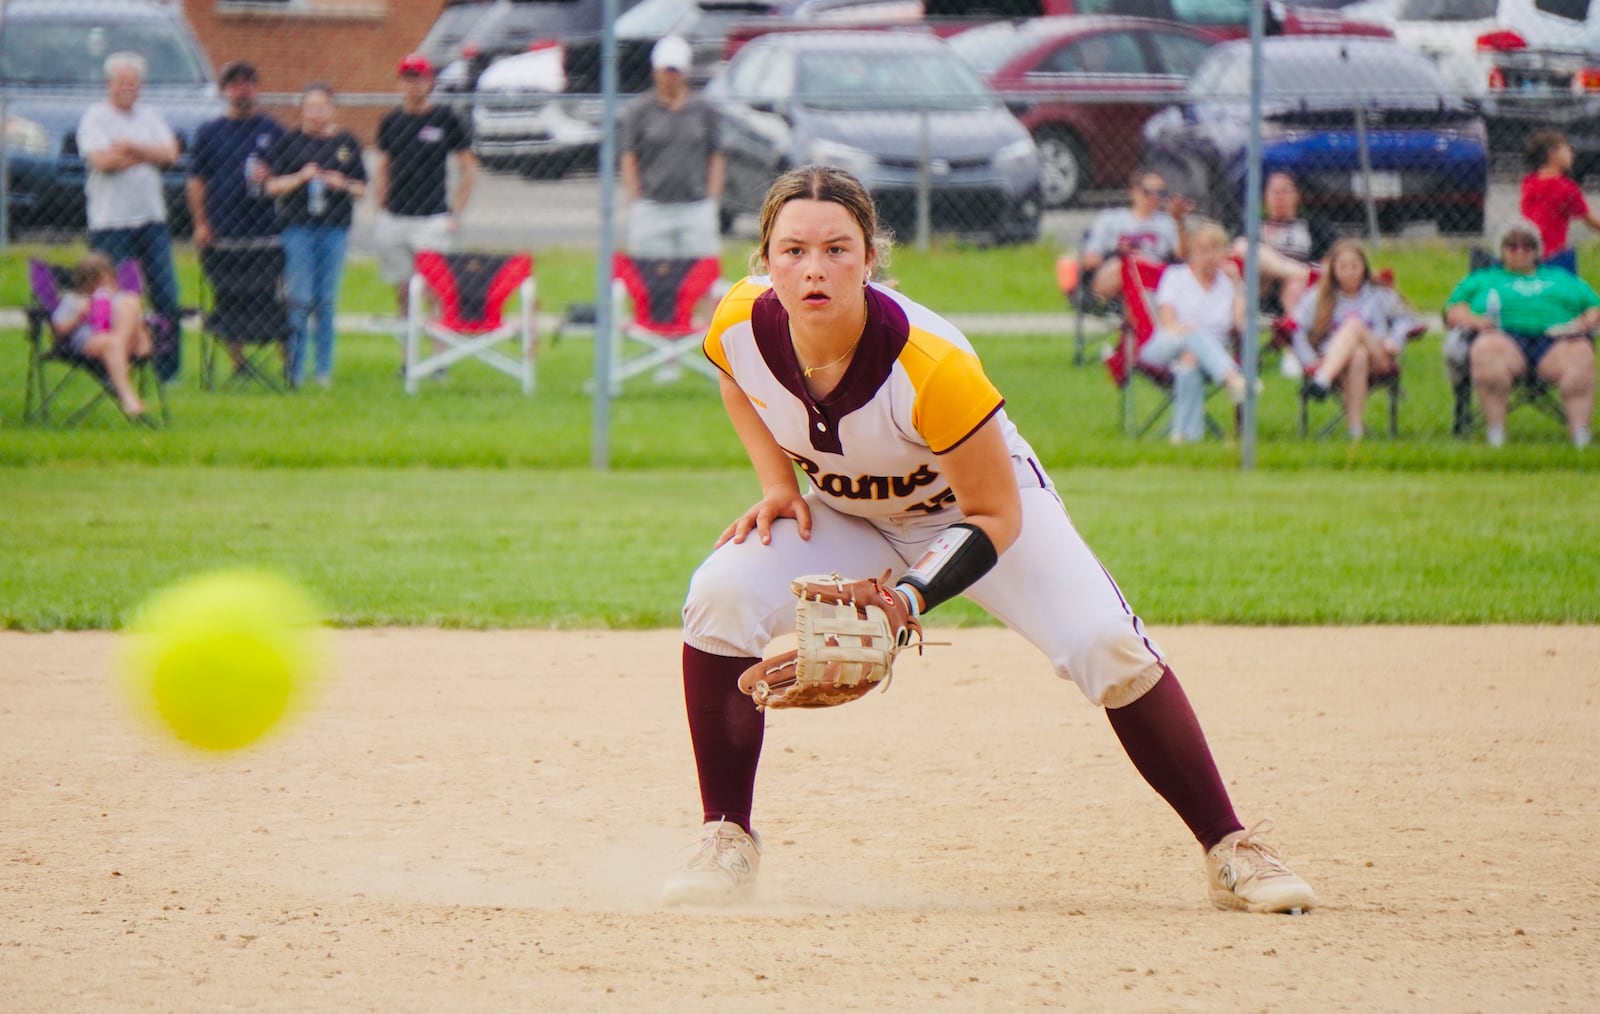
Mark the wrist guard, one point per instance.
(953, 561)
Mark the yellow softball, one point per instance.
(222, 657)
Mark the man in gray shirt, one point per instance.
(672, 162)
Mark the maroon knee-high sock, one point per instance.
(1163, 739)
(726, 730)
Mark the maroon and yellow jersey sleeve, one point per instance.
(953, 395)
(733, 311)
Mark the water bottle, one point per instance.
(100, 311)
(1492, 309)
(252, 186)
(317, 196)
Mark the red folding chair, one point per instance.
(1139, 280)
(470, 292)
(654, 301)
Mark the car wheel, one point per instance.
(1064, 167)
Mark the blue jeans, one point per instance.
(1189, 383)
(313, 267)
(151, 245)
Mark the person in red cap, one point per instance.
(410, 176)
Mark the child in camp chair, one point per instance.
(98, 321)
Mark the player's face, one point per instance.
(1349, 270)
(819, 260)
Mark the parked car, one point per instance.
(498, 28)
(892, 108)
(523, 121)
(1231, 18)
(1527, 63)
(1426, 145)
(52, 59)
(1084, 86)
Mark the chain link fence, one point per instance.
(998, 136)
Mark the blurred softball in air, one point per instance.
(223, 657)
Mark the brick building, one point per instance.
(354, 45)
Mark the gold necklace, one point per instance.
(809, 370)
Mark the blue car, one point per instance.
(51, 60)
(1426, 146)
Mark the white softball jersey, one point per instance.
(914, 390)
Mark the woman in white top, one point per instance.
(1349, 329)
(1199, 306)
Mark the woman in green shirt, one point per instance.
(1528, 316)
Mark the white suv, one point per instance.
(1527, 63)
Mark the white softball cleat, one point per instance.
(722, 866)
(1245, 873)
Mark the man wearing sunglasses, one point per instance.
(1151, 226)
(1527, 316)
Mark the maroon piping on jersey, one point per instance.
(885, 335)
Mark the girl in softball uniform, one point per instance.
(911, 465)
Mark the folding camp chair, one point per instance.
(1077, 287)
(1387, 382)
(1139, 280)
(248, 313)
(46, 352)
(471, 291)
(663, 293)
(1530, 389)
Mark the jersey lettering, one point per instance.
(866, 487)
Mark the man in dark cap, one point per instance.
(228, 163)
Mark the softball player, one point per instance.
(913, 467)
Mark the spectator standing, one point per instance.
(229, 163)
(672, 163)
(1150, 226)
(1551, 199)
(126, 145)
(317, 175)
(411, 176)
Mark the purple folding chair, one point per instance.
(48, 354)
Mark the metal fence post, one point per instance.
(1365, 152)
(924, 181)
(600, 443)
(5, 185)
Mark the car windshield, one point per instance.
(883, 79)
(1447, 10)
(73, 53)
(987, 48)
(1376, 72)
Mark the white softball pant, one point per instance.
(1048, 587)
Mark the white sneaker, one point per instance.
(1290, 367)
(723, 865)
(1244, 872)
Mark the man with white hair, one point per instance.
(672, 162)
(126, 145)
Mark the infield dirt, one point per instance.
(480, 821)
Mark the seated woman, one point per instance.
(100, 322)
(1524, 316)
(1199, 305)
(1349, 329)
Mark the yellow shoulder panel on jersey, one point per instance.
(954, 397)
(734, 309)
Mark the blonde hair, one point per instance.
(1206, 229)
(822, 183)
(1328, 287)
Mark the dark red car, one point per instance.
(1083, 86)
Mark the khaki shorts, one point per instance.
(399, 237)
(673, 230)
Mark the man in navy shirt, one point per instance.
(228, 163)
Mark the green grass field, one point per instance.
(470, 505)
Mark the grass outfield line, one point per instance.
(571, 548)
